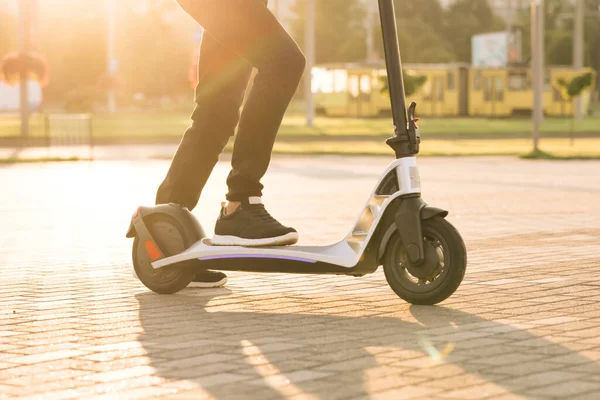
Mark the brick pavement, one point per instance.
(525, 323)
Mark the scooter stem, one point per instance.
(394, 65)
(406, 135)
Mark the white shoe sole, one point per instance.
(284, 240)
(208, 285)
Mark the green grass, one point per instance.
(543, 155)
(439, 127)
(10, 125)
(550, 149)
(15, 160)
(553, 148)
(158, 125)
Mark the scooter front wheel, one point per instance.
(170, 238)
(438, 277)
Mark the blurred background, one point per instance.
(122, 72)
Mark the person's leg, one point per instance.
(249, 29)
(280, 64)
(222, 80)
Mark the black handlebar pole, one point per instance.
(394, 66)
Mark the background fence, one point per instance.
(52, 135)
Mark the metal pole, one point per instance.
(537, 67)
(519, 46)
(542, 41)
(509, 23)
(370, 27)
(112, 61)
(25, 45)
(514, 35)
(90, 127)
(309, 40)
(578, 37)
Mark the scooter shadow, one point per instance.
(270, 355)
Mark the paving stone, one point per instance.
(507, 359)
(525, 368)
(47, 356)
(481, 391)
(524, 323)
(567, 389)
(294, 377)
(539, 379)
(407, 392)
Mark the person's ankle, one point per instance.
(231, 206)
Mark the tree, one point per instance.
(559, 47)
(574, 88)
(466, 18)
(592, 37)
(339, 30)
(412, 83)
(34, 65)
(155, 49)
(8, 32)
(420, 32)
(75, 45)
(427, 12)
(153, 52)
(559, 26)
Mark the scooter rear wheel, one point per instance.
(170, 238)
(442, 271)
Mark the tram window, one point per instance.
(354, 86)
(487, 89)
(340, 81)
(499, 89)
(477, 80)
(439, 89)
(450, 79)
(427, 91)
(518, 81)
(322, 81)
(316, 80)
(327, 82)
(365, 84)
(557, 96)
(547, 84)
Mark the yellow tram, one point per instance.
(450, 90)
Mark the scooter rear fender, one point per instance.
(192, 228)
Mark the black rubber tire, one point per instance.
(455, 264)
(170, 238)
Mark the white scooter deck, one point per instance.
(345, 253)
(340, 253)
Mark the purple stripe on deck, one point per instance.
(230, 256)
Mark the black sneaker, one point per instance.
(252, 225)
(208, 279)
(203, 279)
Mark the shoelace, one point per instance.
(259, 212)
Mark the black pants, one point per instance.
(239, 35)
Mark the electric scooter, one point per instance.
(423, 256)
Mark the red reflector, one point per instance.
(152, 250)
